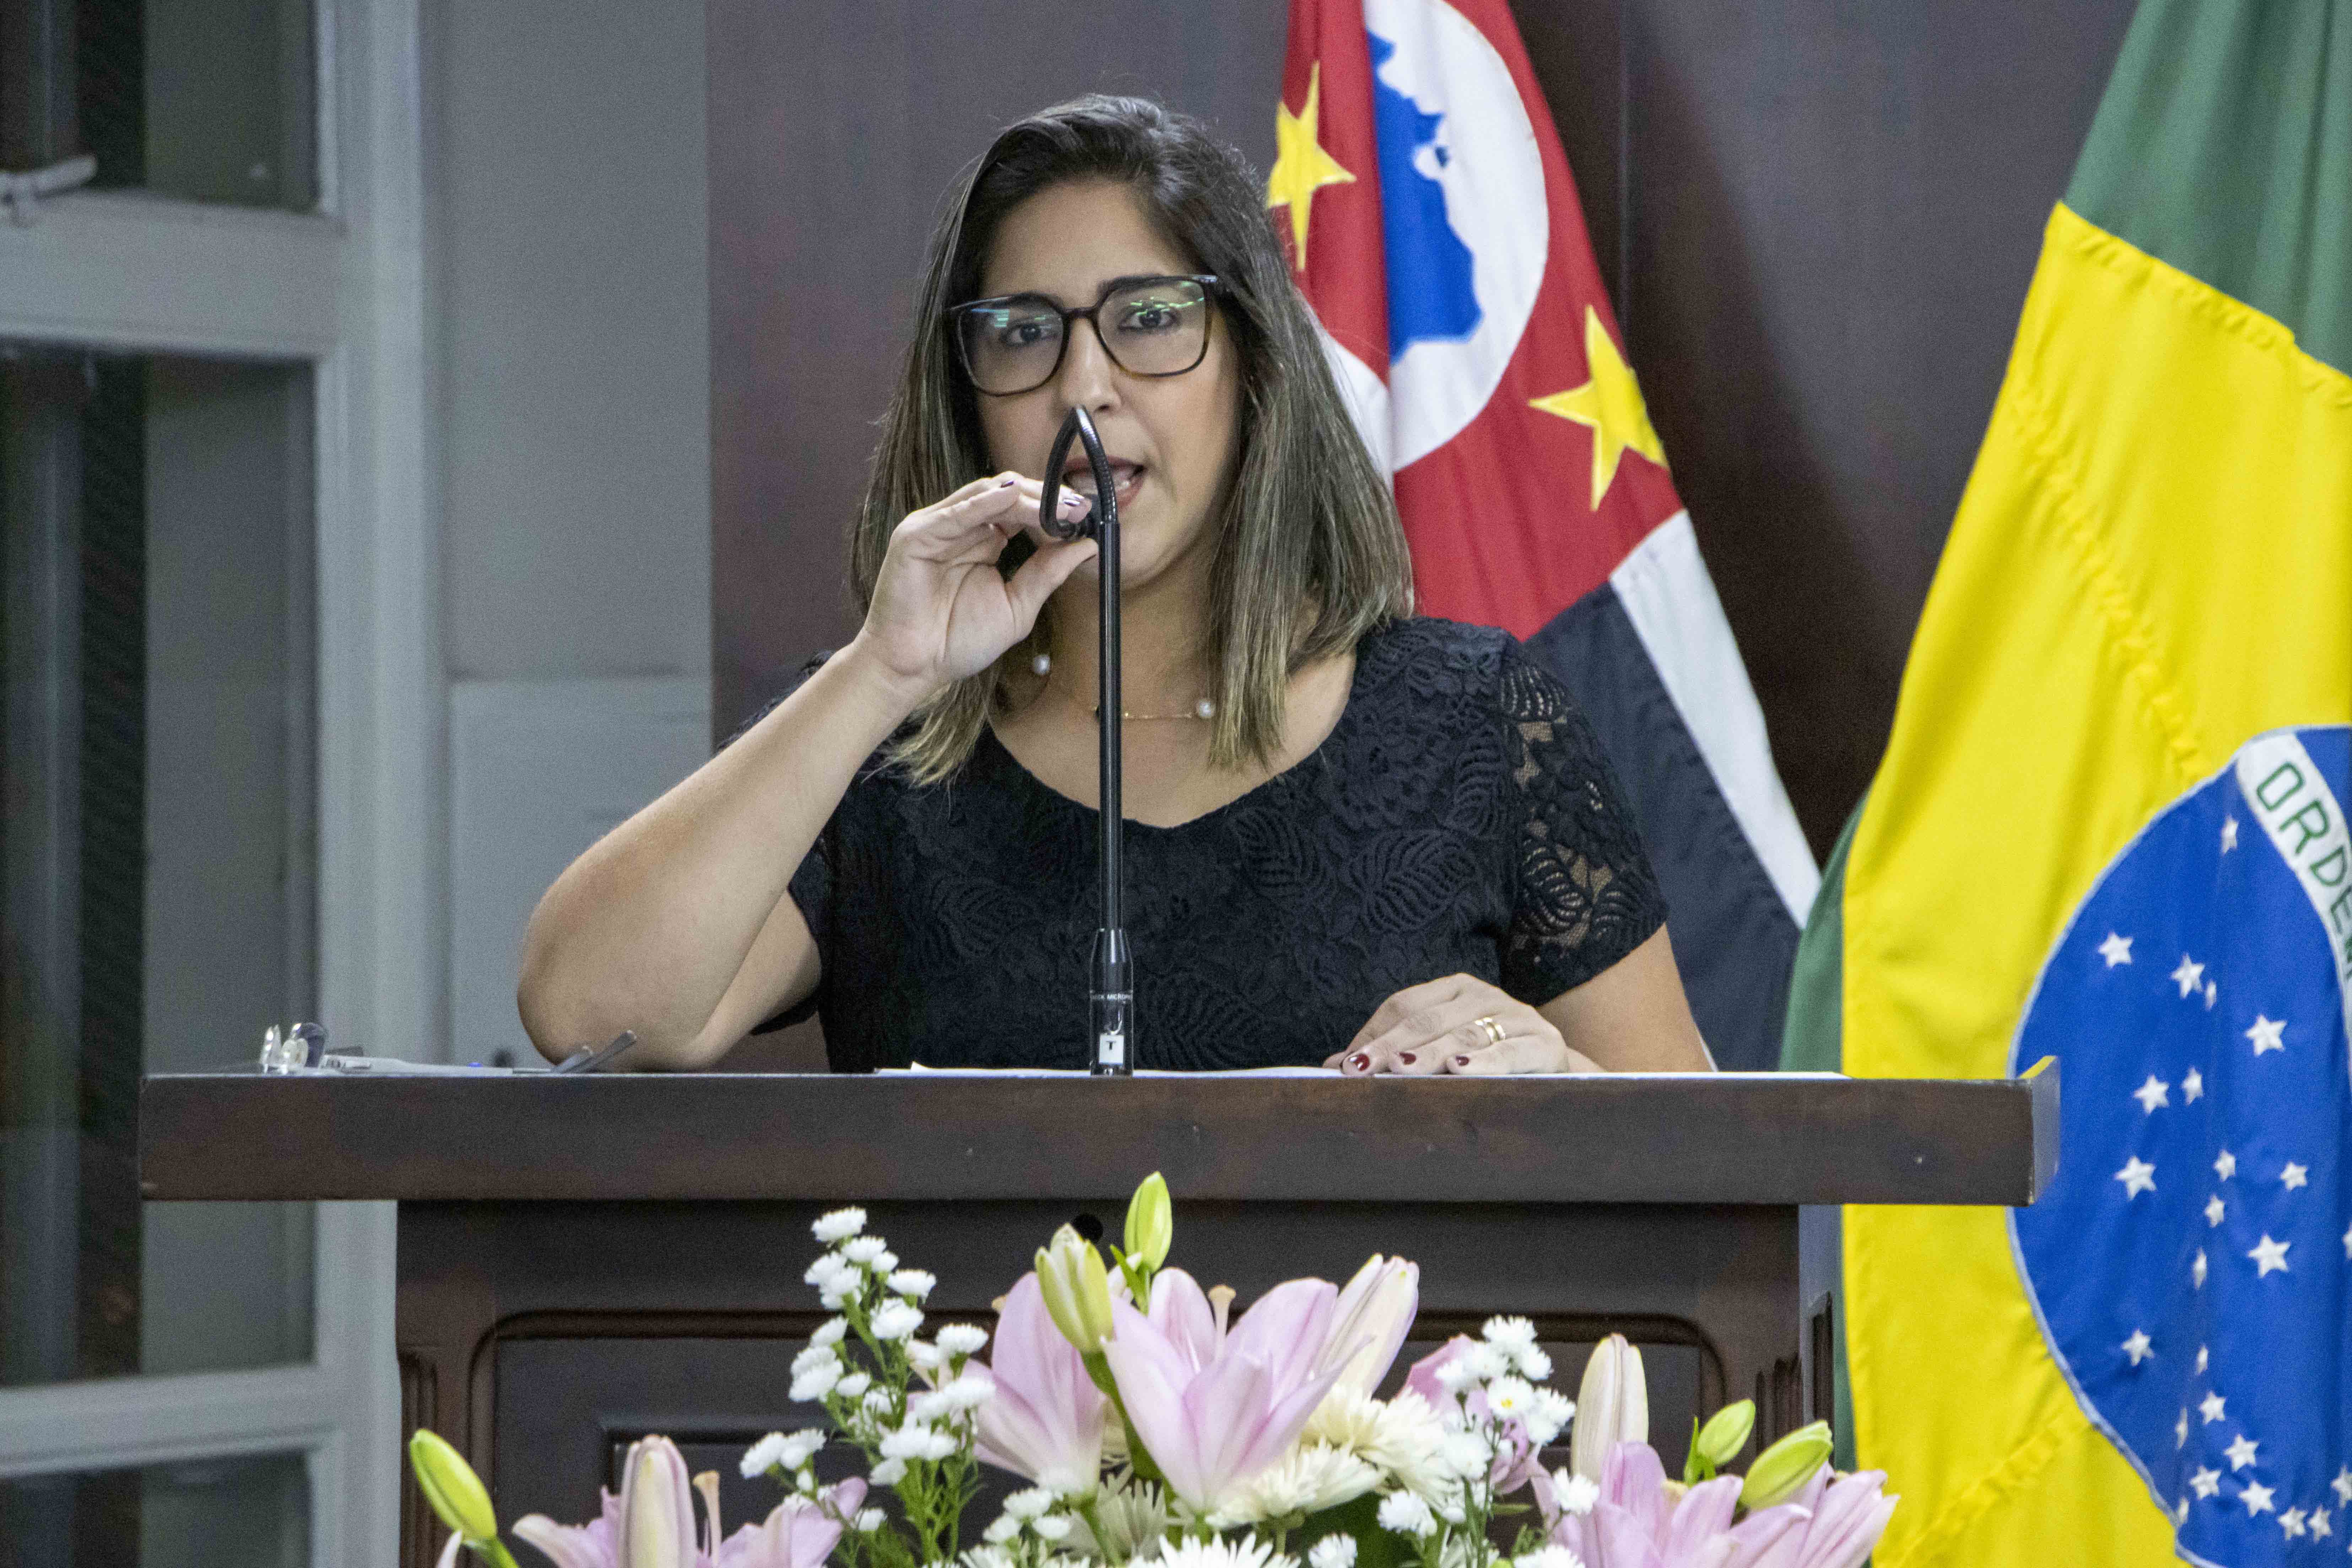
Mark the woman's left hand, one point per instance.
(1458, 1024)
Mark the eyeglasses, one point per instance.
(1149, 326)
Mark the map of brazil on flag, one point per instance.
(1433, 226)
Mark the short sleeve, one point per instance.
(1586, 894)
(812, 883)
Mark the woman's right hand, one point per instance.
(941, 611)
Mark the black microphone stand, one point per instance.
(1111, 991)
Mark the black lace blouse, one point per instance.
(1459, 818)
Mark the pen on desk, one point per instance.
(587, 1060)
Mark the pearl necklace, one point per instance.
(1205, 709)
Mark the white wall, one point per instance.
(566, 176)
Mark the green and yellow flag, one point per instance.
(2151, 567)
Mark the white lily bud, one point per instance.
(1613, 1406)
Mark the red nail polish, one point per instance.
(1462, 1062)
(1359, 1061)
(1407, 1058)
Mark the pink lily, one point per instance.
(1377, 1306)
(1847, 1515)
(1635, 1524)
(1047, 1420)
(651, 1524)
(1215, 1409)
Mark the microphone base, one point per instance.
(1112, 1017)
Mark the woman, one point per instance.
(1381, 843)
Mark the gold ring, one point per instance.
(1494, 1031)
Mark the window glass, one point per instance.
(157, 851)
(253, 1511)
(212, 100)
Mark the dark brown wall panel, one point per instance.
(1818, 218)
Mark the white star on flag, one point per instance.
(2320, 1528)
(2197, 1277)
(2240, 1452)
(2212, 1407)
(2180, 1429)
(2211, 991)
(2136, 1347)
(2205, 1482)
(2343, 1484)
(2268, 1254)
(2295, 1177)
(2138, 1177)
(2115, 950)
(2228, 834)
(2153, 1093)
(2292, 1522)
(2266, 1033)
(2213, 1208)
(2189, 977)
(2200, 1355)
(2257, 1498)
(2225, 1165)
(2181, 1511)
(2192, 1087)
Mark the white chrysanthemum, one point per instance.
(924, 1356)
(889, 1473)
(1533, 1363)
(1511, 1398)
(886, 1262)
(1238, 1551)
(963, 1339)
(1485, 1361)
(867, 1522)
(854, 1387)
(1548, 1557)
(1467, 1454)
(816, 1381)
(831, 1271)
(969, 1391)
(1574, 1493)
(839, 1226)
(1510, 1335)
(762, 1456)
(1030, 1502)
(912, 1441)
(1402, 1436)
(1406, 1514)
(863, 1250)
(1332, 1552)
(896, 1320)
(877, 1401)
(913, 1283)
(1456, 1374)
(987, 1557)
(1556, 1407)
(829, 1332)
(815, 1356)
(1132, 1516)
(1000, 1529)
(1309, 1478)
(800, 1448)
(1053, 1527)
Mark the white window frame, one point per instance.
(345, 289)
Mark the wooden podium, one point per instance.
(584, 1259)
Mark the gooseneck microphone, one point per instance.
(1111, 989)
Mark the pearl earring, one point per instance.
(1042, 663)
(1205, 709)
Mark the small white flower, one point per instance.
(839, 1226)
(896, 1320)
(805, 1484)
(867, 1522)
(862, 1250)
(1407, 1515)
(885, 1261)
(1464, 1455)
(1487, 1362)
(1002, 1529)
(1533, 1364)
(1510, 1335)
(830, 1331)
(1311, 1478)
(963, 1339)
(877, 1400)
(987, 1557)
(925, 1357)
(800, 1448)
(762, 1456)
(1548, 1557)
(829, 1272)
(889, 1473)
(832, 1300)
(1511, 1398)
(913, 1283)
(1575, 1494)
(907, 1442)
(816, 1381)
(1556, 1407)
(1053, 1527)
(969, 1391)
(1456, 1374)
(854, 1387)
(1332, 1552)
(815, 1356)
(1541, 1430)
(1234, 1552)
(1030, 1502)
(940, 1446)
(1451, 1511)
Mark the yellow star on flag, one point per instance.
(1610, 403)
(1301, 167)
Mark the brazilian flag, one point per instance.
(2107, 825)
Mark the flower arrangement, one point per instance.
(1155, 1428)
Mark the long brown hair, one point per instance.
(1308, 555)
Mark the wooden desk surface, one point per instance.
(1702, 1139)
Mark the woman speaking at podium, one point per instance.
(1355, 838)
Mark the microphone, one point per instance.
(1111, 984)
